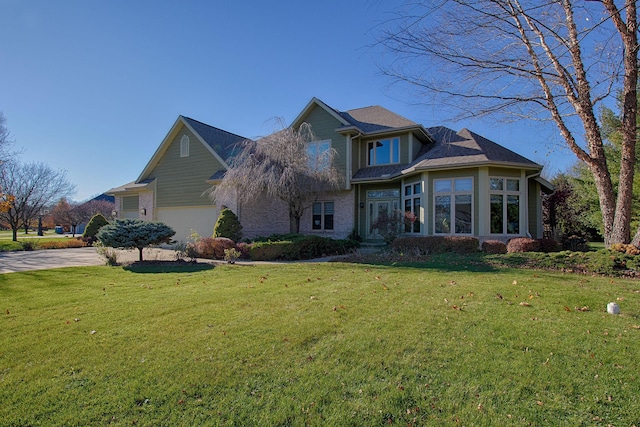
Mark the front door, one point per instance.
(375, 209)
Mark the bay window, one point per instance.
(453, 205)
(504, 196)
(412, 195)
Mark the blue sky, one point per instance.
(93, 87)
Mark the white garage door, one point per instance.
(187, 220)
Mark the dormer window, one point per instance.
(383, 152)
(184, 146)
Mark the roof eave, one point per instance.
(419, 129)
(513, 165)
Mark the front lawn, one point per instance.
(318, 344)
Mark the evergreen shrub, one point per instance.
(228, 226)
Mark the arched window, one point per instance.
(184, 146)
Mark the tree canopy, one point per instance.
(31, 187)
(546, 60)
(280, 166)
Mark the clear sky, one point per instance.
(93, 87)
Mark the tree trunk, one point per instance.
(294, 221)
(14, 231)
(636, 239)
(140, 250)
(604, 186)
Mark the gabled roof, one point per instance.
(367, 121)
(226, 144)
(375, 118)
(220, 143)
(450, 149)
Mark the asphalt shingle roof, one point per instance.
(449, 148)
(375, 118)
(465, 147)
(226, 144)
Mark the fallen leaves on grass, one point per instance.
(525, 304)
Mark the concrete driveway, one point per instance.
(11, 262)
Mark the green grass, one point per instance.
(6, 243)
(318, 344)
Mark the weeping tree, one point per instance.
(284, 166)
(554, 60)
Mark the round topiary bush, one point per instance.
(228, 226)
(91, 230)
(523, 244)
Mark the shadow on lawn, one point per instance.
(167, 267)
(442, 262)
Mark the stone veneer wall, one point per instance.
(343, 216)
(146, 202)
(264, 216)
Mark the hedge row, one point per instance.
(297, 247)
(436, 244)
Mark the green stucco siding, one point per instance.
(323, 126)
(130, 203)
(180, 181)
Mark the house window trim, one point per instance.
(323, 216)
(452, 193)
(184, 146)
(374, 162)
(505, 193)
(412, 196)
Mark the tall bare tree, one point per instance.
(32, 186)
(553, 59)
(280, 166)
(5, 141)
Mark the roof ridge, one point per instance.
(214, 127)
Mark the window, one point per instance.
(383, 152)
(412, 194)
(317, 152)
(453, 204)
(322, 218)
(184, 146)
(505, 205)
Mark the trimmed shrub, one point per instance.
(303, 247)
(523, 244)
(228, 226)
(91, 230)
(213, 248)
(62, 244)
(244, 249)
(494, 247)
(549, 245)
(268, 251)
(436, 244)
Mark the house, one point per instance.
(455, 183)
